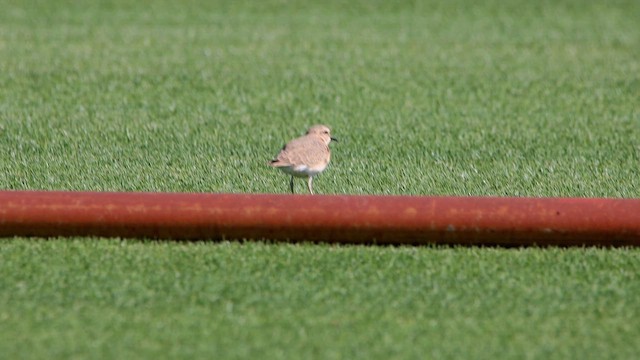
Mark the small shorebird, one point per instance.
(305, 156)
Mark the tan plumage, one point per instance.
(305, 156)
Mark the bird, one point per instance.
(306, 156)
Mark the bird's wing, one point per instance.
(303, 150)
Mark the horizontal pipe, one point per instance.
(331, 219)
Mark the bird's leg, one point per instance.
(310, 184)
(291, 184)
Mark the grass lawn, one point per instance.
(111, 299)
(460, 97)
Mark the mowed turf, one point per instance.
(93, 298)
(451, 98)
(502, 98)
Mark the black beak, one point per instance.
(334, 139)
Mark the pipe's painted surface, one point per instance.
(334, 219)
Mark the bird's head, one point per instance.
(323, 132)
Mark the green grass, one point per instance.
(459, 97)
(494, 99)
(111, 299)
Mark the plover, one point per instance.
(306, 156)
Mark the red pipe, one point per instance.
(340, 219)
